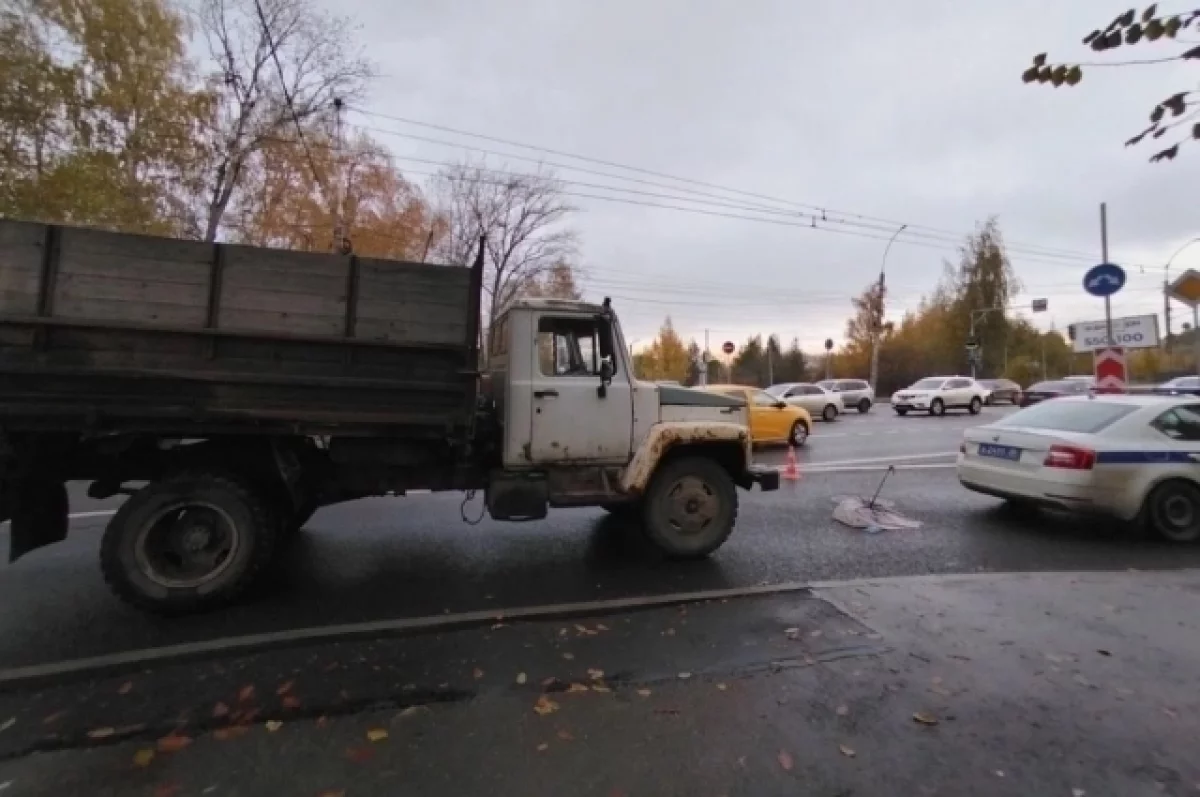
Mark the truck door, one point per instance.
(576, 417)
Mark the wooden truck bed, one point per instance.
(105, 331)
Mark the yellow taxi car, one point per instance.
(771, 420)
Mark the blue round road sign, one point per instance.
(1104, 279)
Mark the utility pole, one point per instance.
(704, 356)
(877, 321)
(770, 361)
(1104, 259)
(341, 241)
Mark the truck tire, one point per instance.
(690, 508)
(191, 542)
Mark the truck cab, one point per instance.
(577, 428)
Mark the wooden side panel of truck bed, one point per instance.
(115, 331)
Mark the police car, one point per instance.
(1131, 457)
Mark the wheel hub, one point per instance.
(187, 545)
(1179, 511)
(691, 506)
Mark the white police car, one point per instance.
(1131, 457)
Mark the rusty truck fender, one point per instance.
(669, 435)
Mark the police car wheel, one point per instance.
(1173, 511)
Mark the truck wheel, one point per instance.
(1173, 511)
(690, 508)
(191, 542)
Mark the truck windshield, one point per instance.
(569, 346)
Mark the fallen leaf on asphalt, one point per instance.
(785, 760)
(360, 755)
(722, 687)
(600, 688)
(273, 725)
(842, 710)
(53, 718)
(1078, 793)
(958, 657)
(562, 632)
(478, 673)
(925, 718)
(815, 633)
(498, 626)
(126, 688)
(1169, 712)
(577, 688)
(791, 631)
(595, 675)
(173, 743)
(569, 656)
(521, 678)
(543, 747)
(583, 629)
(220, 710)
(601, 627)
(549, 682)
(291, 701)
(101, 733)
(166, 790)
(644, 692)
(8, 723)
(565, 736)
(545, 705)
(284, 688)
(670, 632)
(142, 758)
(1104, 652)
(232, 732)
(376, 735)
(683, 676)
(246, 693)
(847, 751)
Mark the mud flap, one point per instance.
(37, 507)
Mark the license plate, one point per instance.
(1000, 452)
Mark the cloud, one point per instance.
(906, 112)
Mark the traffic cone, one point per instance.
(791, 471)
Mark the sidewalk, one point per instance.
(1056, 684)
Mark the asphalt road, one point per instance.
(388, 558)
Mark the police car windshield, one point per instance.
(1069, 416)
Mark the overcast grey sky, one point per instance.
(908, 112)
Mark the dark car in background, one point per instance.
(1001, 391)
(1054, 389)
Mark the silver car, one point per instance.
(820, 403)
(856, 393)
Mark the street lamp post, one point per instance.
(877, 325)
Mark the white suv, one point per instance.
(856, 393)
(936, 394)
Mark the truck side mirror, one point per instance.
(606, 376)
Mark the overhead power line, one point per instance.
(812, 208)
(773, 216)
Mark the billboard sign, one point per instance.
(1132, 332)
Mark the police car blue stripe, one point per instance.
(1147, 457)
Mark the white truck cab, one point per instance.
(577, 428)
